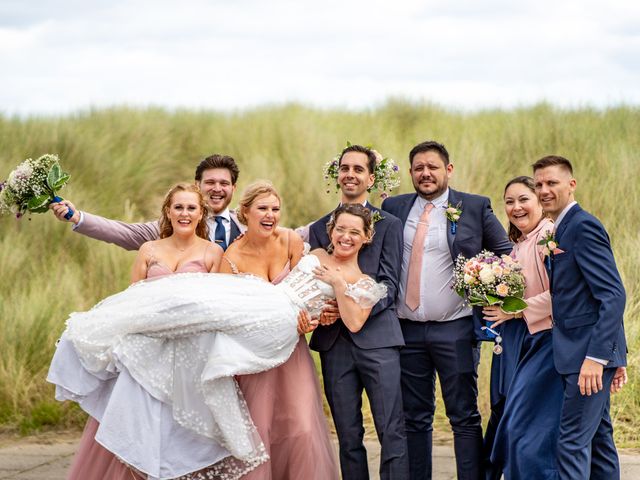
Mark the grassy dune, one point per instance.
(122, 161)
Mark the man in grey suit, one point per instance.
(216, 176)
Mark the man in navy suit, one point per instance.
(370, 358)
(438, 327)
(589, 346)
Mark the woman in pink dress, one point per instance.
(284, 402)
(183, 247)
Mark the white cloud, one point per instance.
(66, 55)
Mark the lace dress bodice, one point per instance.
(311, 294)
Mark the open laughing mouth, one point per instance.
(267, 225)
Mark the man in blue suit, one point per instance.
(368, 359)
(438, 327)
(589, 346)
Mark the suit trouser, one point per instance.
(585, 446)
(450, 350)
(346, 371)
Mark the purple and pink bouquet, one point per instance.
(32, 186)
(488, 279)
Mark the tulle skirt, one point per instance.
(94, 462)
(156, 366)
(286, 407)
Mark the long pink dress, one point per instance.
(285, 405)
(286, 408)
(92, 461)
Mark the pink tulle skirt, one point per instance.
(286, 407)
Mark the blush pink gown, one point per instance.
(92, 461)
(286, 408)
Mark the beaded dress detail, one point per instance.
(181, 339)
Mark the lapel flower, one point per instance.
(376, 216)
(453, 215)
(549, 244)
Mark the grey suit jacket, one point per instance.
(131, 236)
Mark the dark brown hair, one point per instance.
(430, 146)
(552, 160)
(353, 209)
(165, 227)
(218, 161)
(371, 156)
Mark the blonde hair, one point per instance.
(165, 227)
(253, 191)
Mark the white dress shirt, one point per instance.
(226, 223)
(438, 301)
(562, 215)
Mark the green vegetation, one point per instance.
(122, 161)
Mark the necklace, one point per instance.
(183, 249)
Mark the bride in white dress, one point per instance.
(180, 340)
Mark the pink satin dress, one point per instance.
(92, 461)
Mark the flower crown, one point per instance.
(385, 173)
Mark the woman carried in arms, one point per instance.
(178, 341)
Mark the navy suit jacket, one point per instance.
(587, 295)
(381, 260)
(478, 229)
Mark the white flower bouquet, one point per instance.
(32, 186)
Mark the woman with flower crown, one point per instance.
(155, 364)
(524, 422)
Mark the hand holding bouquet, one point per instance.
(487, 280)
(32, 186)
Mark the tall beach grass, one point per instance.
(123, 160)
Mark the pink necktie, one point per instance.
(412, 297)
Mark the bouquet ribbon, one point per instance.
(69, 214)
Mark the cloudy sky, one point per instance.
(62, 56)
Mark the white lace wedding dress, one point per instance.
(155, 364)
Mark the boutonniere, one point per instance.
(549, 244)
(376, 216)
(453, 215)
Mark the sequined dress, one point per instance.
(178, 341)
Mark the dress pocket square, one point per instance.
(558, 251)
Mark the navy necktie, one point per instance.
(221, 234)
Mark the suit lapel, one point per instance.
(371, 207)
(405, 208)
(235, 231)
(565, 221)
(453, 200)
